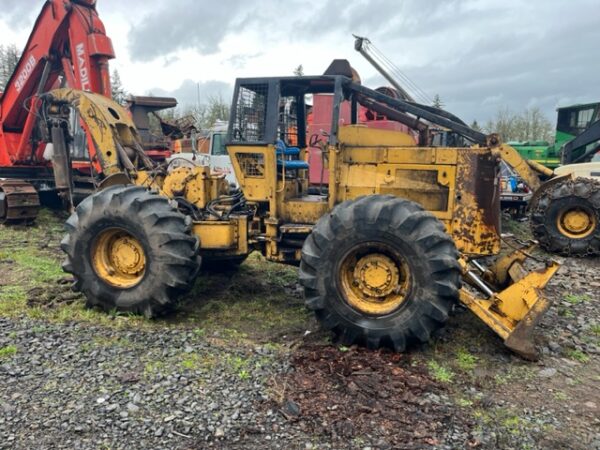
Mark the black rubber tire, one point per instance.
(581, 192)
(165, 235)
(429, 252)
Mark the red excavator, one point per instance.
(68, 47)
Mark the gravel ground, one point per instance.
(236, 369)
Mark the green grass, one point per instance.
(8, 351)
(195, 361)
(561, 396)
(595, 329)
(440, 373)
(464, 403)
(465, 360)
(257, 303)
(578, 355)
(575, 299)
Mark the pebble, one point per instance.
(547, 373)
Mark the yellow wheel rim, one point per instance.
(374, 279)
(119, 258)
(576, 223)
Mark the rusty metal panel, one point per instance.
(476, 228)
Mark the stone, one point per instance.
(132, 408)
(547, 373)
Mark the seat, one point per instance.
(283, 152)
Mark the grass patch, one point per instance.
(464, 403)
(195, 361)
(515, 373)
(8, 352)
(153, 367)
(465, 360)
(561, 396)
(578, 355)
(595, 329)
(10, 296)
(575, 299)
(253, 302)
(39, 268)
(440, 373)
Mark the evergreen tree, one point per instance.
(119, 94)
(437, 102)
(9, 58)
(475, 126)
(299, 71)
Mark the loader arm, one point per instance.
(117, 147)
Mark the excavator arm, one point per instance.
(68, 46)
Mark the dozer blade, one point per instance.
(19, 201)
(513, 312)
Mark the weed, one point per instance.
(595, 329)
(465, 360)
(566, 313)
(575, 299)
(578, 355)
(153, 367)
(561, 396)
(440, 373)
(343, 349)
(195, 361)
(200, 332)
(8, 351)
(464, 403)
(10, 295)
(513, 424)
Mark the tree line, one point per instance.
(9, 58)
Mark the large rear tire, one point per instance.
(130, 251)
(380, 271)
(566, 217)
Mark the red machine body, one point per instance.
(67, 47)
(320, 121)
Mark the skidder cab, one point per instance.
(382, 246)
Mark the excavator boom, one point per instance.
(68, 46)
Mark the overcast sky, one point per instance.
(478, 55)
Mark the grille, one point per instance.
(250, 114)
(252, 164)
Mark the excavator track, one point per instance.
(19, 201)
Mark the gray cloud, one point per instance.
(191, 92)
(20, 13)
(478, 55)
(182, 24)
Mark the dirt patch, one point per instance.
(355, 395)
(53, 296)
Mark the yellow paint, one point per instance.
(217, 235)
(507, 308)
(576, 223)
(118, 258)
(108, 123)
(356, 135)
(372, 282)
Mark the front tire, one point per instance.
(380, 271)
(566, 218)
(130, 251)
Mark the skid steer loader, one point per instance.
(402, 233)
